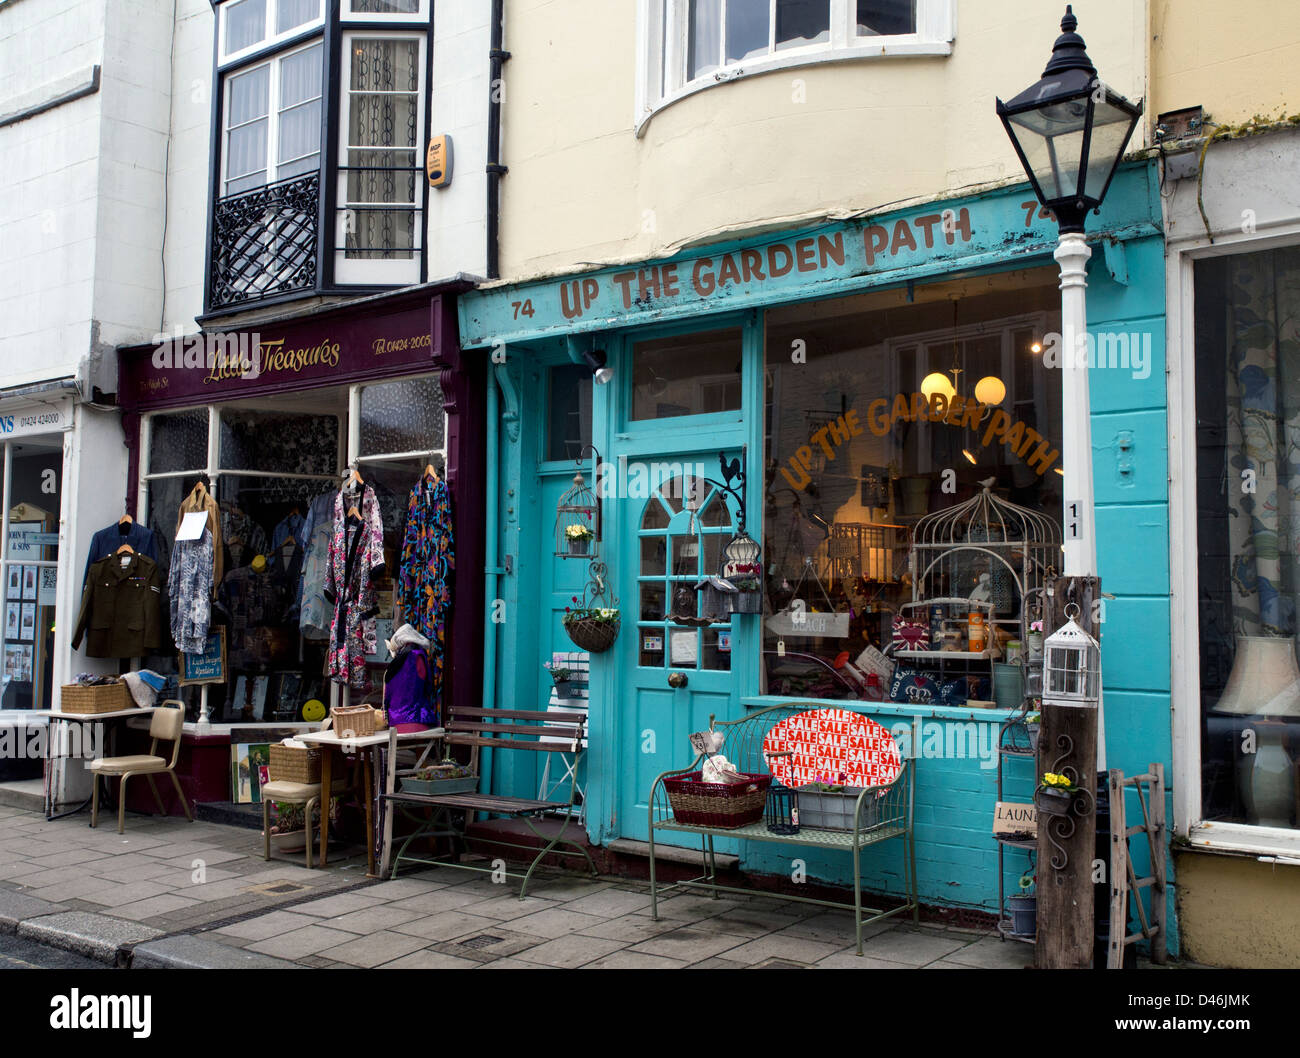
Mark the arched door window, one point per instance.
(674, 555)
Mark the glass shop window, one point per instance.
(568, 414)
(691, 374)
(1247, 364)
(901, 406)
(30, 490)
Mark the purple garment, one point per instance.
(408, 688)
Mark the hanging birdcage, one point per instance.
(989, 551)
(577, 522)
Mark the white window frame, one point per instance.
(661, 53)
(269, 39)
(365, 270)
(348, 14)
(1270, 844)
(273, 116)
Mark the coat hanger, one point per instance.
(126, 519)
(127, 548)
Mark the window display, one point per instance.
(295, 571)
(1248, 480)
(887, 412)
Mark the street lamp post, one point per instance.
(1069, 131)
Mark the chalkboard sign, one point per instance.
(208, 667)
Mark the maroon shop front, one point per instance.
(274, 421)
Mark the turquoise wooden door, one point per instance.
(672, 537)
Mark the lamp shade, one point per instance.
(937, 382)
(1264, 681)
(1069, 130)
(990, 390)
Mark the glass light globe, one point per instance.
(937, 382)
(990, 390)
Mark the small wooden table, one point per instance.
(366, 745)
(55, 770)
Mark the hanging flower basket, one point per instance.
(747, 602)
(593, 630)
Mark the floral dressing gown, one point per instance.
(356, 560)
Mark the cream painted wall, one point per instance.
(1235, 62)
(583, 190)
(1236, 912)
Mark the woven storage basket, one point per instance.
(717, 804)
(105, 698)
(360, 720)
(590, 634)
(291, 764)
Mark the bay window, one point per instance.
(687, 45)
(314, 190)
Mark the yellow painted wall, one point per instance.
(1238, 912)
(583, 190)
(1235, 60)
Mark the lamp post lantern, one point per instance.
(1069, 130)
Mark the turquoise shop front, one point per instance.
(867, 377)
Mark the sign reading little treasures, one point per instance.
(324, 350)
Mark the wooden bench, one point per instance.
(501, 730)
(880, 813)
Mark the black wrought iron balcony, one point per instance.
(264, 241)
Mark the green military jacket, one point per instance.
(121, 608)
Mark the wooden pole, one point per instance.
(1068, 740)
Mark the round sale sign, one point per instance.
(834, 746)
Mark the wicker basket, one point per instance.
(717, 804)
(590, 634)
(291, 764)
(104, 698)
(359, 720)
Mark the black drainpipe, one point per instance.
(495, 170)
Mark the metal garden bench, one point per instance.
(501, 730)
(880, 814)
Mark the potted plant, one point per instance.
(563, 679)
(1033, 724)
(591, 628)
(1055, 794)
(747, 577)
(579, 537)
(830, 805)
(446, 777)
(1023, 908)
(1034, 643)
(288, 832)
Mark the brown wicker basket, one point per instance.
(717, 804)
(592, 635)
(291, 764)
(359, 720)
(105, 698)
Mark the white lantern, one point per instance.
(1071, 666)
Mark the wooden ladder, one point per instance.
(1150, 789)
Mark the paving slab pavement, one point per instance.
(173, 894)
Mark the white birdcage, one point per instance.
(1071, 666)
(955, 550)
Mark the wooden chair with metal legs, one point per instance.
(165, 725)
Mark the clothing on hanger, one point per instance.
(315, 614)
(189, 593)
(356, 560)
(423, 585)
(106, 541)
(287, 527)
(121, 608)
(200, 499)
